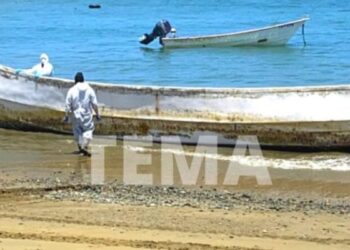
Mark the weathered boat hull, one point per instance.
(273, 35)
(294, 136)
(148, 114)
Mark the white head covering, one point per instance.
(44, 58)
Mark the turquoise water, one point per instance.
(104, 43)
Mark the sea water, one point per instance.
(103, 43)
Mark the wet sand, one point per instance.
(47, 202)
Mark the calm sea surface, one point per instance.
(104, 44)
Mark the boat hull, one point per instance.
(293, 136)
(151, 111)
(275, 35)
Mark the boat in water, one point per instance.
(37, 104)
(273, 35)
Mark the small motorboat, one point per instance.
(273, 35)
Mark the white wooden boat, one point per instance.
(33, 104)
(273, 35)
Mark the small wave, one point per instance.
(334, 163)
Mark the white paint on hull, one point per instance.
(324, 103)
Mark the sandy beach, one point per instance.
(46, 202)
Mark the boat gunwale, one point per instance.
(181, 119)
(301, 20)
(177, 90)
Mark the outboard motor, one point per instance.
(161, 29)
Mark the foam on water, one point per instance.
(319, 162)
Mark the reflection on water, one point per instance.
(47, 158)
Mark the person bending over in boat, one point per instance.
(44, 68)
(81, 101)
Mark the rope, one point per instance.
(303, 32)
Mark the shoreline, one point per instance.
(47, 201)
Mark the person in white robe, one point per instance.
(81, 101)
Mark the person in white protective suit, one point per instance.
(81, 101)
(44, 68)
